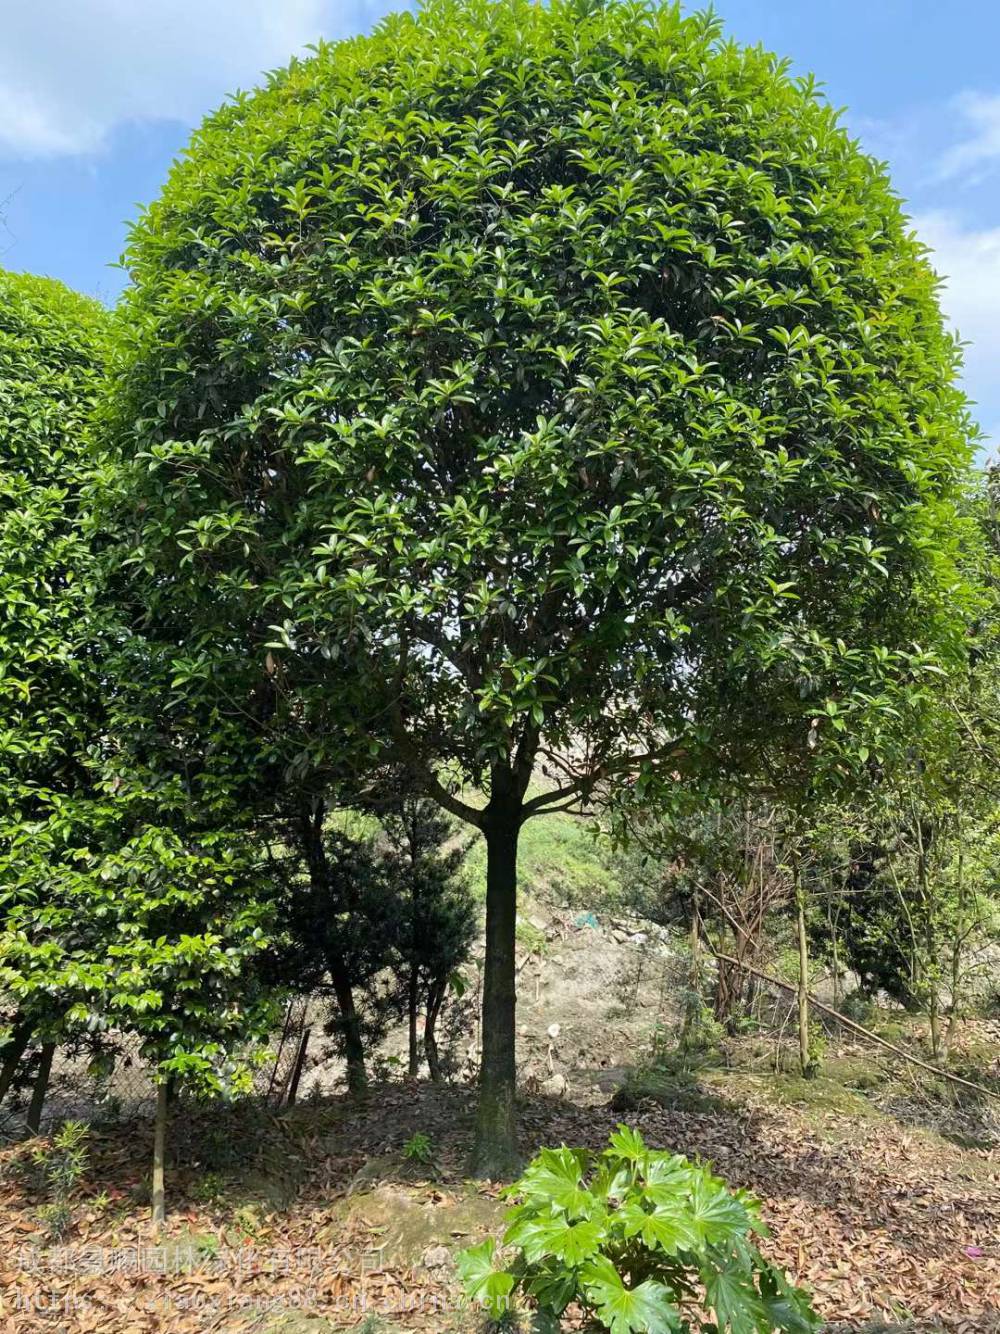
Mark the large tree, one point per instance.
(128, 901)
(551, 386)
(53, 346)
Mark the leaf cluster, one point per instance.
(554, 376)
(640, 1241)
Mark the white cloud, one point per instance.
(968, 259)
(973, 156)
(73, 70)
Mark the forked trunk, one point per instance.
(41, 1088)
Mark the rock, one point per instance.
(619, 935)
(639, 938)
(553, 1030)
(437, 1257)
(555, 1086)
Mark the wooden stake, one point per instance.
(159, 1155)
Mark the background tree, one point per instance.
(118, 913)
(437, 919)
(569, 373)
(338, 924)
(53, 348)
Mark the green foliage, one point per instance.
(531, 938)
(435, 918)
(857, 1005)
(817, 1047)
(634, 1236)
(53, 346)
(421, 336)
(118, 909)
(153, 934)
(61, 1167)
(538, 385)
(418, 1148)
(337, 923)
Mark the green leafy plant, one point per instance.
(418, 1148)
(817, 1046)
(641, 1241)
(209, 1189)
(61, 1167)
(207, 1245)
(53, 346)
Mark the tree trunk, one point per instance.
(690, 1036)
(806, 1063)
(934, 1014)
(350, 1027)
(495, 1152)
(13, 1051)
(957, 941)
(933, 988)
(159, 1154)
(311, 821)
(41, 1088)
(435, 996)
(729, 982)
(833, 920)
(412, 1006)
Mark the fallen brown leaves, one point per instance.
(882, 1222)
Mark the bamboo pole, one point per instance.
(864, 1032)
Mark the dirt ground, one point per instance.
(883, 1194)
(319, 1217)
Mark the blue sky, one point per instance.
(98, 96)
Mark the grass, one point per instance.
(677, 1090)
(559, 860)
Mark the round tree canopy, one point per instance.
(51, 352)
(567, 360)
